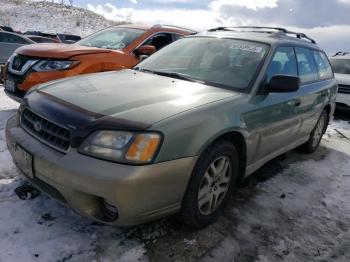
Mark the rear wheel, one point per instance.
(316, 136)
(212, 181)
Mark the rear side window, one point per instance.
(306, 65)
(282, 63)
(323, 66)
(12, 39)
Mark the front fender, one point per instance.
(189, 133)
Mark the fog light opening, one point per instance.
(110, 211)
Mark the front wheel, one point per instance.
(316, 135)
(212, 181)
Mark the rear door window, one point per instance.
(282, 63)
(306, 65)
(323, 66)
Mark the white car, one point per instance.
(341, 67)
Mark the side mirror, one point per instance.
(143, 57)
(283, 84)
(146, 50)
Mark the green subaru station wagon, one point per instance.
(179, 132)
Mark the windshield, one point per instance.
(112, 38)
(227, 63)
(341, 66)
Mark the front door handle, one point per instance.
(297, 102)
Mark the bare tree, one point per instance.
(71, 2)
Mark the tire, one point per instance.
(208, 191)
(316, 135)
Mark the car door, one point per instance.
(279, 121)
(8, 44)
(316, 81)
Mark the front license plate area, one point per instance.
(10, 86)
(23, 160)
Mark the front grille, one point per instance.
(19, 61)
(47, 132)
(345, 89)
(19, 65)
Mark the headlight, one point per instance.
(120, 146)
(52, 65)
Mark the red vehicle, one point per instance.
(115, 48)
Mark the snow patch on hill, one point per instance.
(24, 15)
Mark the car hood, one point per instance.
(342, 79)
(63, 51)
(132, 95)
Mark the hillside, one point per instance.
(25, 15)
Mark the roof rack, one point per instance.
(260, 29)
(174, 26)
(341, 53)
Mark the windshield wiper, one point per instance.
(171, 74)
(143, 70)
(178, 76)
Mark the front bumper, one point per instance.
(30, 79)
(140, 193)
(343, 99)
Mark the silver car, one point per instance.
(180, 131)
(9, 42)
(341, 67)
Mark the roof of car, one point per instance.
(341, 55)
(37, 36)
(157, 26)
(267, 35)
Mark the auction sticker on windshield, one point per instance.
(248, 48)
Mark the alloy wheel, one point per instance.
(318, 133)
(214, 185)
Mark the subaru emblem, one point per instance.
(37, 127)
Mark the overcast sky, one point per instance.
(328, 21)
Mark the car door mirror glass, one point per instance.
(143, 57)
(283, 84)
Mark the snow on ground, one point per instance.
(25, 15)
(302, 214)
(296, 208)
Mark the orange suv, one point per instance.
(114, 48)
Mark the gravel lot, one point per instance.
(296, 208)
